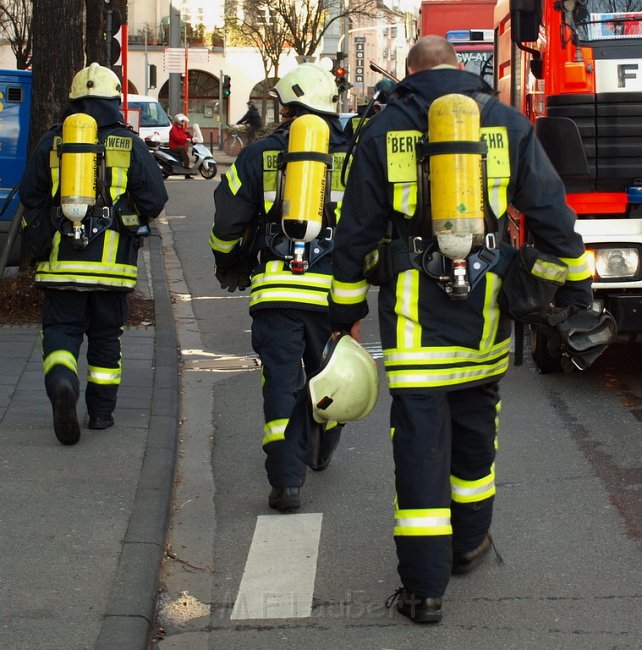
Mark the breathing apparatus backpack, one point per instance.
(299, 228)
(86, 209)
(78, 155)
(452, 237)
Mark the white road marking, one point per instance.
(278, 580)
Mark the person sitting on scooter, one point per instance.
(178, 137)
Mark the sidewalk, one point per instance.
(82, 528)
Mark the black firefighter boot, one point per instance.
(63, 401)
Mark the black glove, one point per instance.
(581, 334)
(233, 278)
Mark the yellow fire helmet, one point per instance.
(95, 81)
(308, 85)
(346, 386)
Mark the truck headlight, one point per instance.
(616, 263)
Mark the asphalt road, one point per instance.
(568, 518)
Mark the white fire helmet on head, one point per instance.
(308, 85)
(95, 81)
(346, 386)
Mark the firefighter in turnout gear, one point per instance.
(444, 354)
(94, 182)
(258, 209)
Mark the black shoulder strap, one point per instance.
(485, 101)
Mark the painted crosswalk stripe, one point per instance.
(278, 580)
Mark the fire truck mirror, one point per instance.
(525, 17)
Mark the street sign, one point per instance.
(198, 55)
(174, 59)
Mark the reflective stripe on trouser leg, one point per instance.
(283, 339)
(475, 419)
(421, 448)
(64, 319)
(108, 313)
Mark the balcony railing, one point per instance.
(158, 36)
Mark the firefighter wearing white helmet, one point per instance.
(309, 87)
(95, 81)
(254, 204)
(91, 187)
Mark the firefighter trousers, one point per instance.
(290, 344)
(444, 452)
(67, 317)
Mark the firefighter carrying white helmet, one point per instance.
(346, 387)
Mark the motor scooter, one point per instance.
(170, 162)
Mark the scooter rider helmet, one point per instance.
(95, 81)
(309, 85)
(346, 386)
(179, 118)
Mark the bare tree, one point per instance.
(54, 66)
(308, 20)
(267, 32)
(15, 24)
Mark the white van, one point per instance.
(147, 117)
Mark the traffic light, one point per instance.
(152, 76)
(341, 78)
(114, 23)
(227, 86)
(340, 73)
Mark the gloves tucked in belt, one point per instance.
(233, 278)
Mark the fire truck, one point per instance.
(468, 25)
(574, 67)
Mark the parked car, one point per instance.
(345, 117)
(148, 117)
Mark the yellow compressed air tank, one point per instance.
(305, 179)
(456, 179)
(78, 168)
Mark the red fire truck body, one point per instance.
(574, 67)
(468, 25)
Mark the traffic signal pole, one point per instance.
(174, 41)
(221, 111)
(186, 83)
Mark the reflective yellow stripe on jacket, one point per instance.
(413, 365)
(349, 293)
(278, 284)
(578, 267)
(118, 151)
(270, 180)
(401, 160)
(103, 272)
